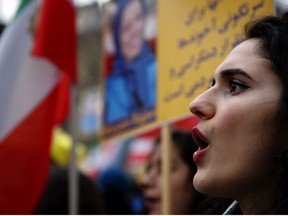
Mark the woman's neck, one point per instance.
(262, 198)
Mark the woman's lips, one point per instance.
(198, 155)
(202, 143)
(151, 202)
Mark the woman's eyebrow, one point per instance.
(233, 72)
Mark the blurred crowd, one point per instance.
(115, 190)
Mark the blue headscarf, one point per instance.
(120, 64)
(135, 76)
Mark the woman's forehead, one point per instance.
(246, 57)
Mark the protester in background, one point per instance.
(243, 127)
(121, 192)
(55, 197)
(184, 198)
(131, 86)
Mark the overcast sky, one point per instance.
(8, 7)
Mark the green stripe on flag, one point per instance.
(22, 5)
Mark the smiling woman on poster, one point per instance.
(131, 85)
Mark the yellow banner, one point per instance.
(194, 37)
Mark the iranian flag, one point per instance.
(37, 63)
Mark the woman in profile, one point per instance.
(243, 127)
(130, 87)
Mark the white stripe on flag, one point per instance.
(24, 81)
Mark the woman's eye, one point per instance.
(236, 87)
(148, 167)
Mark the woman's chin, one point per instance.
(200, 183)
(155, 212)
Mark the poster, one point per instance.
(193, 37)
(130, 65)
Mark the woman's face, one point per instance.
(237, 125)
(131, 30)
(182, 190)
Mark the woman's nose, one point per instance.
(146, 180)
(203, 107)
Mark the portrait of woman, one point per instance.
(131, 84)
(242, 133)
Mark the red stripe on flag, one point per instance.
(25, 152)
(56, 35)
(63, 99)
(24, 159)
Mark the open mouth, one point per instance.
(151, 202)
(199, 138)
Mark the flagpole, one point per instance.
(166, 149)
(73, 174)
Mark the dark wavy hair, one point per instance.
(273, 35)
